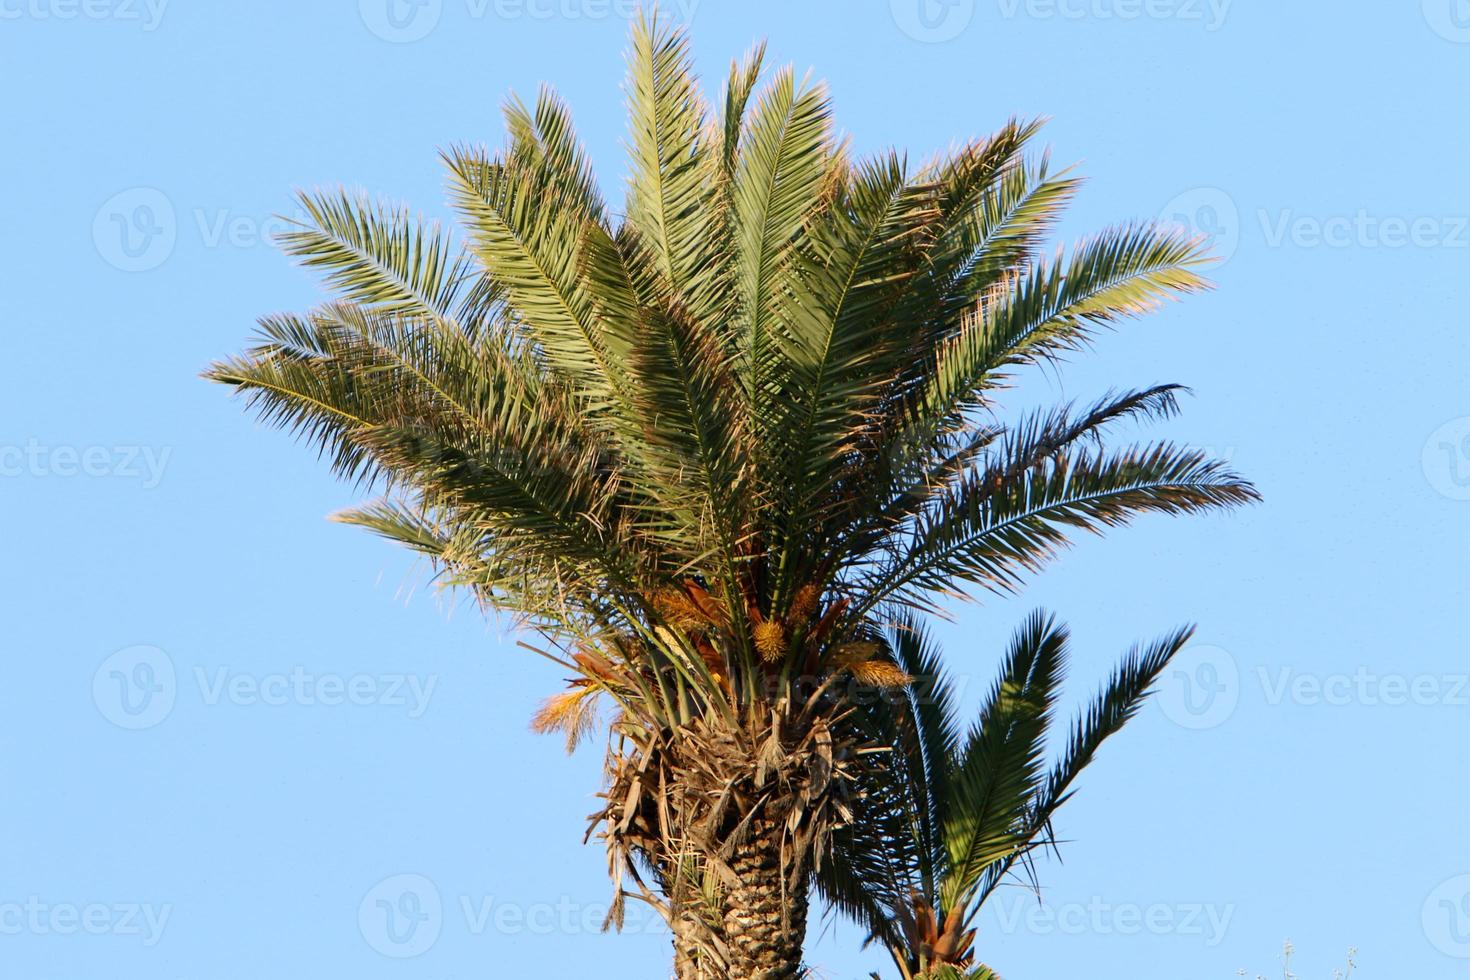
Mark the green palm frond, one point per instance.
(785, 154)
(1004, 452)
(1011, 516)
(894, 846)
(380, 257)
(673, 190)
(695, 429)
(527, 227)
(1001, 759)
(988, 798)
(1118, 701)
(929, 738)
(738, 89)
(544, 139)
(1050, 306)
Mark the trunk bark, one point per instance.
(765, 922)
(688, 963)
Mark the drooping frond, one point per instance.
(380, 257)
(1051, 306)
(1011, 516)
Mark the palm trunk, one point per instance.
(708, 807)
(689, 963)
(765, 921)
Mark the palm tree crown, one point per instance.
(710, 448)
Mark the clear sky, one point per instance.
(239, 741)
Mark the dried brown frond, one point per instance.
(708, 605)
(594, 664)
(709, 655)
(829, 618)
(572, 712)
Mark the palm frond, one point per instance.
(1118, 702)
(1012, 516)
(1001, 759)
(673, 185)
(528, 229)
(738, 89)
(379, 256)
(777, 184)
(1051, 306)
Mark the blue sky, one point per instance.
(239, 741)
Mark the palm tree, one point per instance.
(953, 814)
(705, 448)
